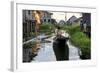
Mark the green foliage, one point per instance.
(32, 34)
(47, 28)
(29, 45)
(82, 41)
(79, 39)
(71, 29)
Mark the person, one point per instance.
(60, 46)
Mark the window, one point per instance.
(29, 12)
(48, 20)
(44, 20)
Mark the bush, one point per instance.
(71, 29)
(80, 40)
(46, 28)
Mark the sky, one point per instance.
(61, 15)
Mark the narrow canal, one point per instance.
(46, 52)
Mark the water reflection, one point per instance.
(46, 53)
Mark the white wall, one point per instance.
(5, 34)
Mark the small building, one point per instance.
(71, 20)
(86, 18)
(46, 18)
(86, 22)
(61, 22)
(29, 21)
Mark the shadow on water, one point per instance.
(61, 49)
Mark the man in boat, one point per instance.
(60, 46)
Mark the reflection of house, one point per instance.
(86, 18)
(86, 23)
(27, 15)
(71, 20)
(78, 20)
(29, 21)
(46, 17)
(61, 22)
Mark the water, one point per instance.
(46, 52)
(34, 39)
(74, 52)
